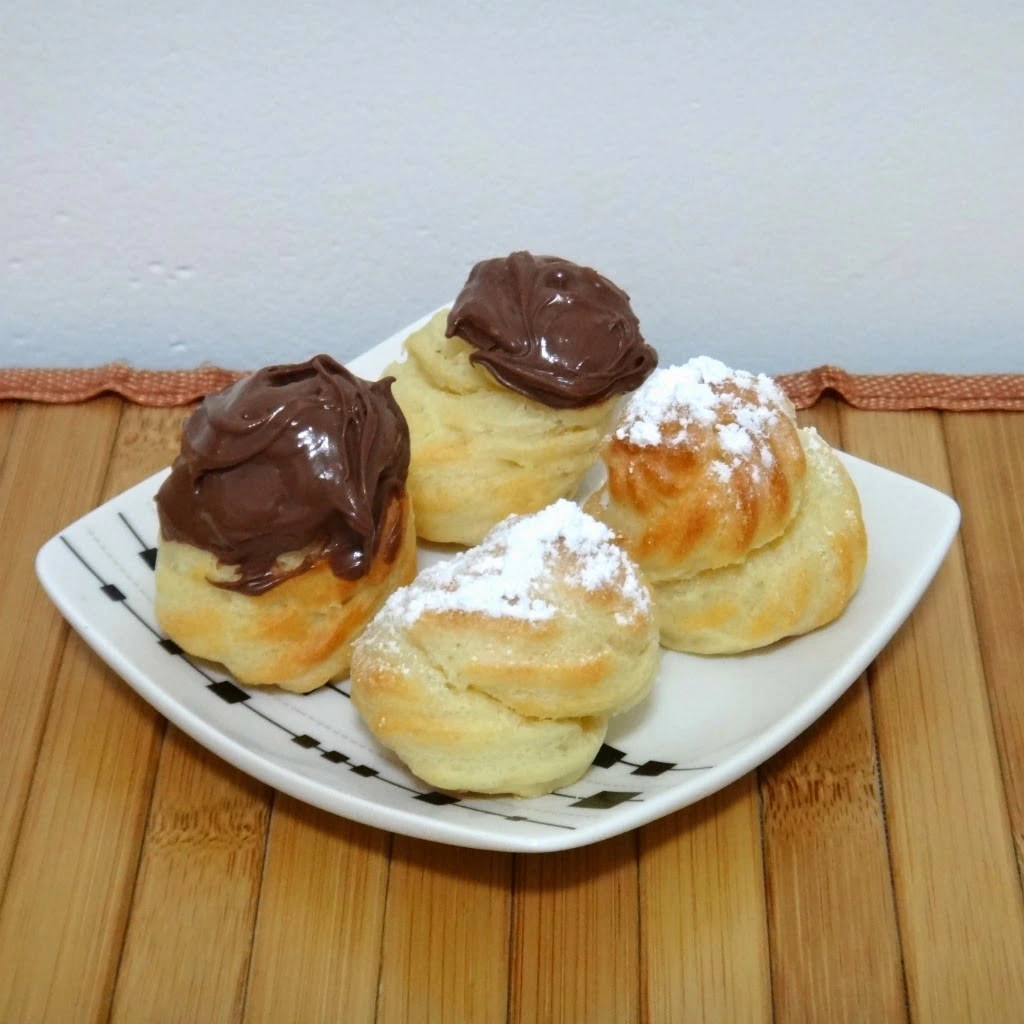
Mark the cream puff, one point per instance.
(509, 393)
(285, 523)
(748, 528)
(497, 671)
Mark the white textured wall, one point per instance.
(778, 184)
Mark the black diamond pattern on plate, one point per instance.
(229, 692)
(305, 741)
(170, 646)
(334, 756)
(653, 768)
(604, 800)
(365, 770)
(607, 756)
(149, 557)
(112, 592)
(437, 799)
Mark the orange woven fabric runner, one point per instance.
(894, 391)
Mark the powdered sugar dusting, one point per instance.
(704, 391)
(504, 576)
(734, 439)
(645, 434)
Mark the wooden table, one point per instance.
(869, 872)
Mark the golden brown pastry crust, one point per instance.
(798, 582)
(476, 702)
(692, 501)
(297, 635)
(481, 452)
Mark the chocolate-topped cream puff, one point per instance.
(509, 393)
(285, 523)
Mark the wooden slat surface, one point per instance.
(830, 902)
(203, 854)
(53, 470)
(321, 918)
(957, 888)
(702, 904)
(867, 872)
(576, 938)
(62, 923)
(8, 412)
(446, 908)
(991, 492)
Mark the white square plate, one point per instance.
(709, 720)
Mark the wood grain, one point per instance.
(52, 473)
(62, 928)
(446, 954)
(704, 939)
(990, 491)
(831, 911)
(834, 935)
(8, 413)
(190, 932)
(316, 955)
(959, 901)
(63, 919)
(575, 935)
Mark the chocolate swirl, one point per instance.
(554, 331)
(291, 458)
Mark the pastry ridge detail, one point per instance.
(497, 671)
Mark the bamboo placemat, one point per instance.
(870, 871)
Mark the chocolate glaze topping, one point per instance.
(554, 331)
(291, 457)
